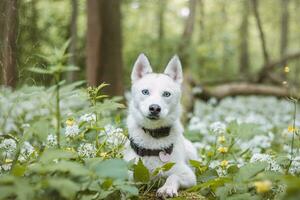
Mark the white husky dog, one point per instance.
(155, 131)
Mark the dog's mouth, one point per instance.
(153, 117)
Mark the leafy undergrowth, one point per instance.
(183, 195)
(66, 143)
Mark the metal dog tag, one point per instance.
(164, 156)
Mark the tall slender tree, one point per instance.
(104, 64)
(255, 5)
(9, 53)
(284, 28)
(162, 5)
(187, 33)
(244, 38)
(73, 39)
(225, 40)
(2, 22)
(201, 6)
(93, 46)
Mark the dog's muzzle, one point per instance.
(154, 111)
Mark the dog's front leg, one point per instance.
(181, 176)
(170, 188)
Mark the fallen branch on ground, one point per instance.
(243, 88)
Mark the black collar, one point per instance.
(158, 132)
(148, 152)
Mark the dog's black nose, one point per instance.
(154, 109)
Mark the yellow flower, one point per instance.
(292, 129)
(210, 154)
(222, 139)
(103, 154)
(70, 149)
(70, 122)
(286, 69)
(224, 163)
(263, 186)
(8, 160)
(223, 149)
(284, 82)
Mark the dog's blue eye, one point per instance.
(166, 94)
(145, 92)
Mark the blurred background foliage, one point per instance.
(217, 40)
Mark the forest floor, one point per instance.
(183, 195)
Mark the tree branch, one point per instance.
(243, 88)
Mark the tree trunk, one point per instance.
(161, 24)
(111, 69)
(93, 47)
(244, 35)
(73, 39)
(33, 20)
(261, 32)
(187, 33)
(104, 44)
(9, 54)
(2, 22)
(284, 30)
(225, 56)
(264, 72)
(201, 21)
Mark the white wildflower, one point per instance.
(273, 165)
(114, 135)
(25, 125)
(9, 146)
(26, 151)
(91, 117)
(201, 146)
(295, 166)
(258, 143)
(218, 128)
(5, 167)
(72, 131)
(87, 150)
(213, 164)
(51, 140)
(217, 165)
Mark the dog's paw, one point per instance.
(167, 191)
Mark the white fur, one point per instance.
(181, 175)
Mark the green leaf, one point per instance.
(208, 175)
(213, 184)
(6, 192)
(244, 196)
(222, 192)
(18, 170)
(40, 70)
(50, 154)
(244, 131)
(40, 129)
(65, 187)
(129, 189)
(67, 166)
(165, 167)
(140, 172)
(195, 163)
(70, 68)
(114, 168)
(232, 169)
(249, 170)
(107, 184)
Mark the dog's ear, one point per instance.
(141, 68)
(174, 69)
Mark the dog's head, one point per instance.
(156, 97)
